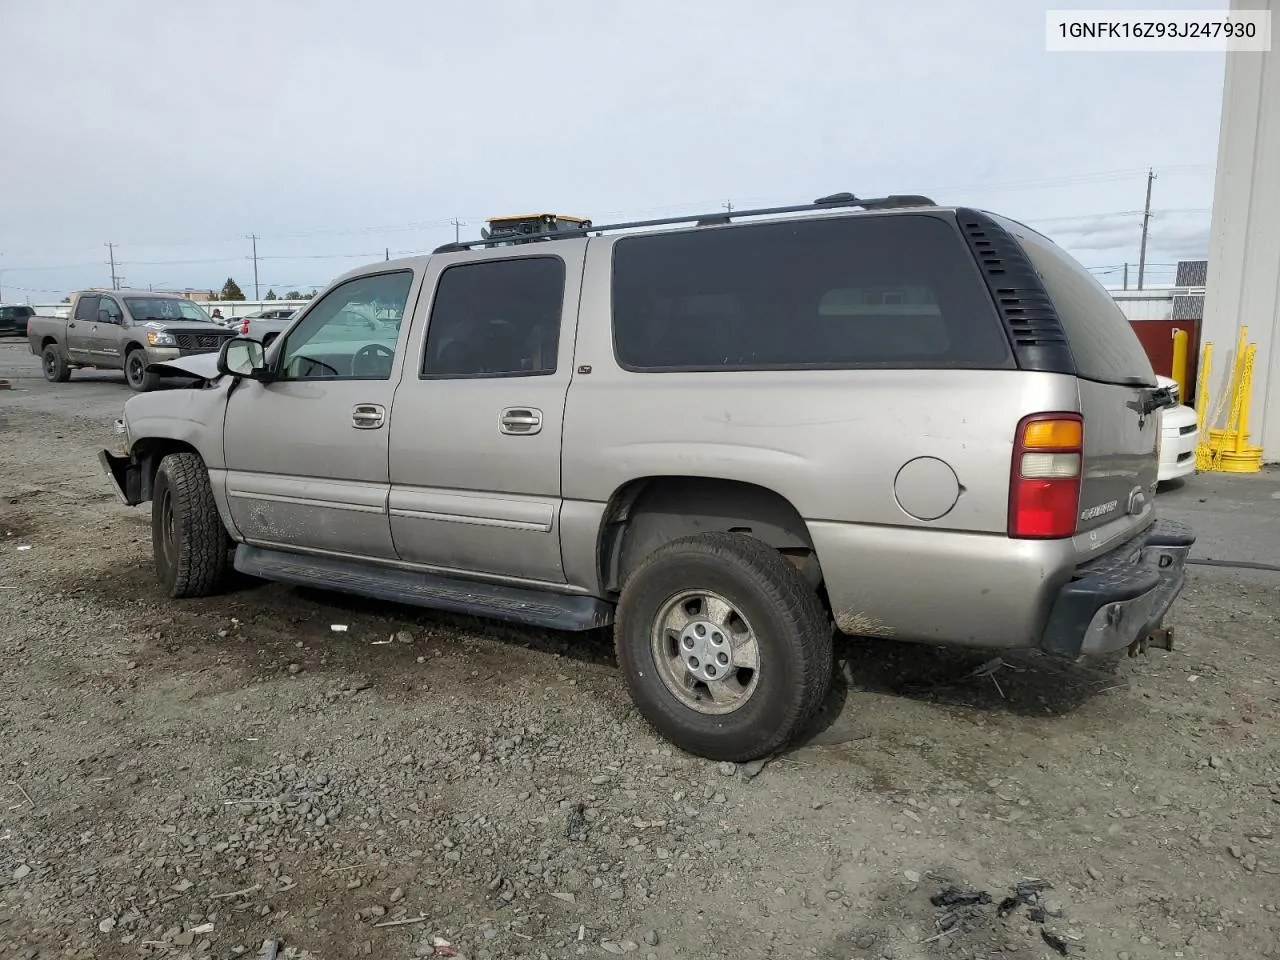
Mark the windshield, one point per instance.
(165, 308)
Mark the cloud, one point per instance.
(334, 131)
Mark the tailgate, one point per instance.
(1121, 458)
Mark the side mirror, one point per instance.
(242, 357)
(104, 316)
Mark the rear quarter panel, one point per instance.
(40, 328)
(833, 443)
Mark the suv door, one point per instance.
(475, 441)
(80, 329)
(104, 336)
(306, 454)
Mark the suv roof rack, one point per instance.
(569, 230)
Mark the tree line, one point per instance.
(231, 291)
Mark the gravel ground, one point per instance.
(191, 779)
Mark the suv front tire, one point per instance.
(188, 539)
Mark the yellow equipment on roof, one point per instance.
(532, 226)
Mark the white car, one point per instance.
(1179, 436)
(265, 325)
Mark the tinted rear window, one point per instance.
(884, 291)
(1103, 344)
(87, 308)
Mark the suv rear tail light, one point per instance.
(1044, 486)
(244, 327)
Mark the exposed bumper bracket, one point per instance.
(1119, 600)
(126, 477)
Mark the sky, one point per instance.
(336, 131)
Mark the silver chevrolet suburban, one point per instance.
(719, 435)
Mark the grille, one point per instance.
(199, 342)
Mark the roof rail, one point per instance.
(834, 201)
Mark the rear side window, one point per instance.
(87, 309)
(496, 318)
(839, 293)
(1104, 346)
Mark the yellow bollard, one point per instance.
(1243, 388)
(1179, 371)
(1246, 457)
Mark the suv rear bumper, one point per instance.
(1120, 597)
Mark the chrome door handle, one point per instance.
(368, 416)
(520, 421)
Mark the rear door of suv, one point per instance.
(476, 433)
(1116, 380)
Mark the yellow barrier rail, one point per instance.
(1226, 448)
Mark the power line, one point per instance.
(457, 223)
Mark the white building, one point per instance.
(1244, 245)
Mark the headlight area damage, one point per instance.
(132, 467)
(201, 367)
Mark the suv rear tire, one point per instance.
(709, 606)
(55, 368)
(136, 372)
(188, 540)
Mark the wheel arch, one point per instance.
(147, 453)
(646, 512)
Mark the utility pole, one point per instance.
(1126, 276)
(457, 230)
(115, 281)
(254, 238)
(1146, 218)
(728, 205)
(388, 257)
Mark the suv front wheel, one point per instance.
(188, 539)
(724, 646)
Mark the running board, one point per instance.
(515, 604)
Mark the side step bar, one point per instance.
(515, 604)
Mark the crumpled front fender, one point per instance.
(127, 478)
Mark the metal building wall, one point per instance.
(1244, 245)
